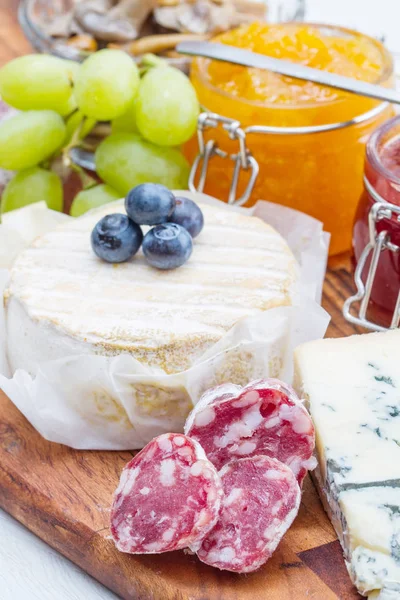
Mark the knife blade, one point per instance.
(247, 58)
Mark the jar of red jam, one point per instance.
(376, 233)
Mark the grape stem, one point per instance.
(87, 180)
(73, 111)
(74, 141)
(63, 170)
(88, 147)
(149, 61)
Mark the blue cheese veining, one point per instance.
(352, 386)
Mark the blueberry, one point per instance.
(116, 238)
(149, 204)
(167, 246)
(189, 215)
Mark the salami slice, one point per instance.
(265, 417)
(261, 500)
(168, 498)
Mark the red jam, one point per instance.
(382, 170)
(390, 156)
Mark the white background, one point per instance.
(31, 570)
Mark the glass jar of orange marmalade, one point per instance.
(376, 235)
(307, 139)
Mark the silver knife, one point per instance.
(247, 58)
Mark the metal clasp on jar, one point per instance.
(243, 158)
(379, 242)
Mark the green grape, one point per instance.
(166, 107)
(29, 138)
(106, 84)
(126, 123)
(124, 160)
(69, 107)
(92, 198)
(73, 123)
(33, 185)
(37, 82)
(72, 68)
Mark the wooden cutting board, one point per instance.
(64, 496)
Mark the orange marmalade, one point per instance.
(319, 173)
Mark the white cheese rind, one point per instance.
(62, 300)
(391, 591)
(352, 387)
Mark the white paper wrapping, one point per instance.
(117, 403)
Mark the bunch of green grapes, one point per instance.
(144, 140)
(61, 101)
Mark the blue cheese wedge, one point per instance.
(352, 387)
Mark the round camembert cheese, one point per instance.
(62, 300)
